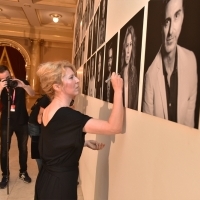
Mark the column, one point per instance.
(35, 61)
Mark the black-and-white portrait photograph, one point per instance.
(78, 16)
(83, 51)
(76, 27)
(76, 44)
(171, 80)
(91, 8)
(74, 48)
(85, 79)
(80, 10)
(88, 71)
(87, 14)
(80, 54)
(87, 75)
(129, 59)
(83, 25)
(76, 61)
(80, 7)
(91, 84)
(99, 74)
(89, 53)
(109, 67)
(102, 22)
(95, 31)
(79, 58)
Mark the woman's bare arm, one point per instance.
(115, 121)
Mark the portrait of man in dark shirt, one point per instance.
(170, 87)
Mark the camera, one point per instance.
(11, 83)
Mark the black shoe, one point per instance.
(4, 182)
(25, 177)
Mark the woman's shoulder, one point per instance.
(50, 112)
(70, 116)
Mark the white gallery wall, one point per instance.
(152, 159)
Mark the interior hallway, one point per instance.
(18, 190)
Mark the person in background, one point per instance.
(63, 130)
(34, 126)
(18, 122)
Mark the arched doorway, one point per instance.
(16, 58)
(12, 58)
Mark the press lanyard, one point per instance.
(12, 107)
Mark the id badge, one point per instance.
(12, 108)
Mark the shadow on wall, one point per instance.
(81, 103)
(102, 170)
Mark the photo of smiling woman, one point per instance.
(129, 71)
(130, 46)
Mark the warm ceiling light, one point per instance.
(56, 17)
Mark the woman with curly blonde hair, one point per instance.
(128, 69)
(63, 130)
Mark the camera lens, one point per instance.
(12, 83)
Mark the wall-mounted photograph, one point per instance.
(99, 74)
(109, 67)
(102, 22)
(171, 72)
(88, 71)
(85, 79)
(91, 8)
(95, 31)
(129, 59)
(91, 84)
(89, 53)
(79, 53)
(83, 25)
(83, 51)
(87, 13)
(76, 61)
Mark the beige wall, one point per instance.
(153, 159)
(56, 53)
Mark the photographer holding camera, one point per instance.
(17, 90)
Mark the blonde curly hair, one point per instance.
(51, 73)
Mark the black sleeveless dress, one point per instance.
(61, 144)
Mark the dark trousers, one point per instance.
(21, 132)
(34, 132)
